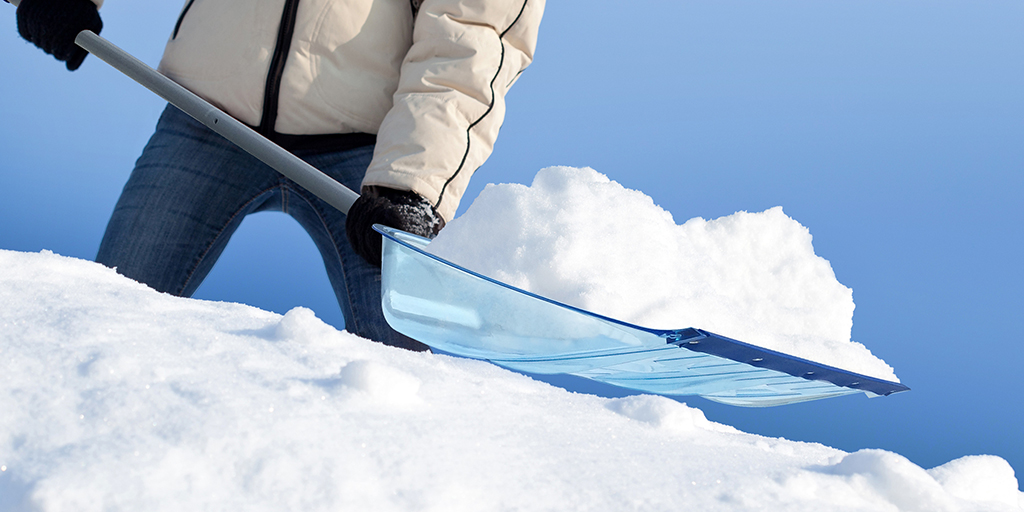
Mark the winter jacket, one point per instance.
(427, 77)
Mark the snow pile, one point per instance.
(576, 237)
(115, 397)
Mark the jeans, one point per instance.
(188, 194)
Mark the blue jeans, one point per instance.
(188, 194)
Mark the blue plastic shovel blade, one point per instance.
(461, 312)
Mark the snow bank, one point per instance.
(115, 397)
(579, 238)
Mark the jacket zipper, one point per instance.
(181, 18)
(275, 74)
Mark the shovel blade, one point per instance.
(461, 312)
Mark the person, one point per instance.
(400, 100)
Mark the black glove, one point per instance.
(53, 24)
(398, 209)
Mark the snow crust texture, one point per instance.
(579, 238)
(115, 397)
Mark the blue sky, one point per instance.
(893, 130)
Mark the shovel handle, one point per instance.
(279, 159)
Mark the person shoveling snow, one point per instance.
(375, 95)
(191, 189)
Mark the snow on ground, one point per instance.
(579, 238)
(116, 397)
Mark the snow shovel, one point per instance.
(455, 310)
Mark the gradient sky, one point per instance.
(893, 130)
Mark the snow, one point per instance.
(116, 397)
(579, 238)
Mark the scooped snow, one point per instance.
(118, 398)
(579, 238)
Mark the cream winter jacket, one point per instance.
(428, 77)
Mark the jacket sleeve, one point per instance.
(450, 101)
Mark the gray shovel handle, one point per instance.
(307, 176)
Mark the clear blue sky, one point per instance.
(893, 130)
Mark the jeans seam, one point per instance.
(353, 303)
(213, 241)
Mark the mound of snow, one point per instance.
(579, 238)
(116, 397)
